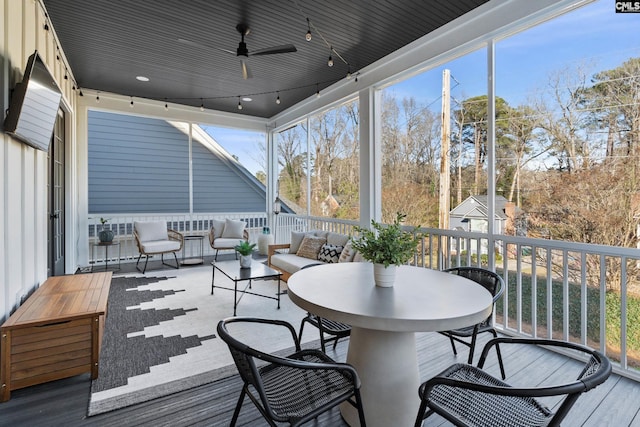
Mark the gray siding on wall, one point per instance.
(141, 165)
(220, 186)
(136, 165)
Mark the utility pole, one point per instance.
(445, 205)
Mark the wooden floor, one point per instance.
(64, 402)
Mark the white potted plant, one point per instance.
(245, 249)
(386, 246)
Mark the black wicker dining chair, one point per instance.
(495, 285)
(291, 389)
(468, 396)
(335, 330)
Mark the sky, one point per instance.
(593, 37)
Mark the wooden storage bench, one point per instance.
(56, 333)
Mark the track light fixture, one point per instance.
(330, 61)
(308, 35)
(239, 104)
(278, 99)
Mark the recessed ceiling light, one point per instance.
(142, 78)
(247, 99)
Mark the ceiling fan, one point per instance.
(243, 51)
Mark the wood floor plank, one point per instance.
(65, 402)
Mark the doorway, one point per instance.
(56, 199)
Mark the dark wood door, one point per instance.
(56, 199)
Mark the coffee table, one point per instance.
(232, 270)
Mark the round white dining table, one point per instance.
(382, 346)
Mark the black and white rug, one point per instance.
(160, 334)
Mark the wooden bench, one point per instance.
(56, 333)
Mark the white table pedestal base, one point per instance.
(387, 364)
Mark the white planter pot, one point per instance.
(245, 261)
(384, 277)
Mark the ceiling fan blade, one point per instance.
(201, 46)
(246, 74)
(285, 48)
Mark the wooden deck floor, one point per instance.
(64, 402)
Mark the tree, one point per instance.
(471, 120)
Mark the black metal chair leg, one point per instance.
(453, 346)
(236, 412)
(421, 413)
(504, 376)
(177, 263)
(472, 347)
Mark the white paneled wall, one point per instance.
(23, 170)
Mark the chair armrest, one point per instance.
(177, 236)
(221, 328)
(480, 381)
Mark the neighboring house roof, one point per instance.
(476, 207)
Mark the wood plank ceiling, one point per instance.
(109, 43)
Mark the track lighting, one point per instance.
(330, 61)
(308, 35)
(278, 99)
(239, 104)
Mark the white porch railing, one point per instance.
(570, 291)
(188, 224)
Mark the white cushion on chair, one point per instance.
(233, 229)
(224, 243)
(152, 230)
(160, 246)
(218, 227)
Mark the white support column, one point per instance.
(491, 150)
(272, 177)
(370, 157)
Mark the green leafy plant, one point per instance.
(103, 221)
(245, 248)
(386, 244)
